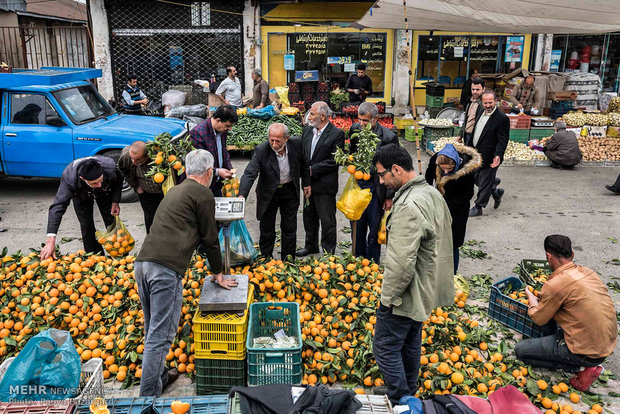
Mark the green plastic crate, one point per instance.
(274, 365)
(520, 135)
(217, 376)
(539, 133)
(432, 134)
(528, 266)
(434, 101)
(433, 111)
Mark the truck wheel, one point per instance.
(128, 195)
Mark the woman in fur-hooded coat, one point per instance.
(451, 171)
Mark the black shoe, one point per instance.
(305, 252)
(173, 375)
(613, 189)
(556, 166)
(498, 197)
(379, 390)
(475, 211)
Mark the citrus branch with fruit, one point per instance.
(358, 162)
(167, 156)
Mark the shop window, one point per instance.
(201, 13)
(584, 53)
(335, 56)
(611, 71)
(428, 58)
(483, 55)
(453, 66)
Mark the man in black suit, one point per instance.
(320, 141)
(279, 164)
(367, 244)
(490, 138)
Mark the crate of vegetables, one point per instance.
(508, 305)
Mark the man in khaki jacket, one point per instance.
(418, 272)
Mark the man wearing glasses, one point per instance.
(418, 272)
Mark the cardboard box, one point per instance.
(562, 95)
(613, 132)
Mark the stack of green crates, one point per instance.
(520, 135)
(219, 349)
(540, 133)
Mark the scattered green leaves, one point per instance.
(471, 249)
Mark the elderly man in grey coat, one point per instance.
(563, 149)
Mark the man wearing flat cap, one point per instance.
(85, 181)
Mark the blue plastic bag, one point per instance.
(48, 368)
(265, 113)
(242, 250)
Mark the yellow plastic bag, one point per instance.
(461, 284)
(289, 110)
(353, 200)
(116, 240)
(382, 235)
(230, 187)
(283, 95)
(169, 183)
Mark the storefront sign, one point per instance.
(556, 57)
(338, 60)
(289, 62)
(312, 43)
(514, 48)
(306, 76)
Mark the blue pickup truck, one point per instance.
(53, 116)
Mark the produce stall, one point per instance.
(249, 131)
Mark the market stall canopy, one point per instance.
(500, 16)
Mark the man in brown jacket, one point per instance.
(576, 298)
(523, 96)
(563, 149)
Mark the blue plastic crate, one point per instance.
(207, 404)
(141, 405)
(513, 313)
(274, 365)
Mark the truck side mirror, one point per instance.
(56, 122)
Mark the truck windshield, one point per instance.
(83, 104)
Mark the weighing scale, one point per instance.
(212, 297)
(542, 122)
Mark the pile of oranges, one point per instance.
(96, 299)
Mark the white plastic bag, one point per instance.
(173, 98)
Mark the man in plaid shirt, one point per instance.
(524, 95)
(211, 136)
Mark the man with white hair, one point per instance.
(185, 219)
(260, 97)
(563, 148)
(320, 141)
(279, 164)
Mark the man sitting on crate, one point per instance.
(576, 298)
(185, 218)
(563, 148)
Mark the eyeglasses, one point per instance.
(382, 173)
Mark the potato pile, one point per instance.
(614, 119)
(575, 119)
(614, 104)
(596, 119)
(599, 149)
(521, 152)
(436, 122)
